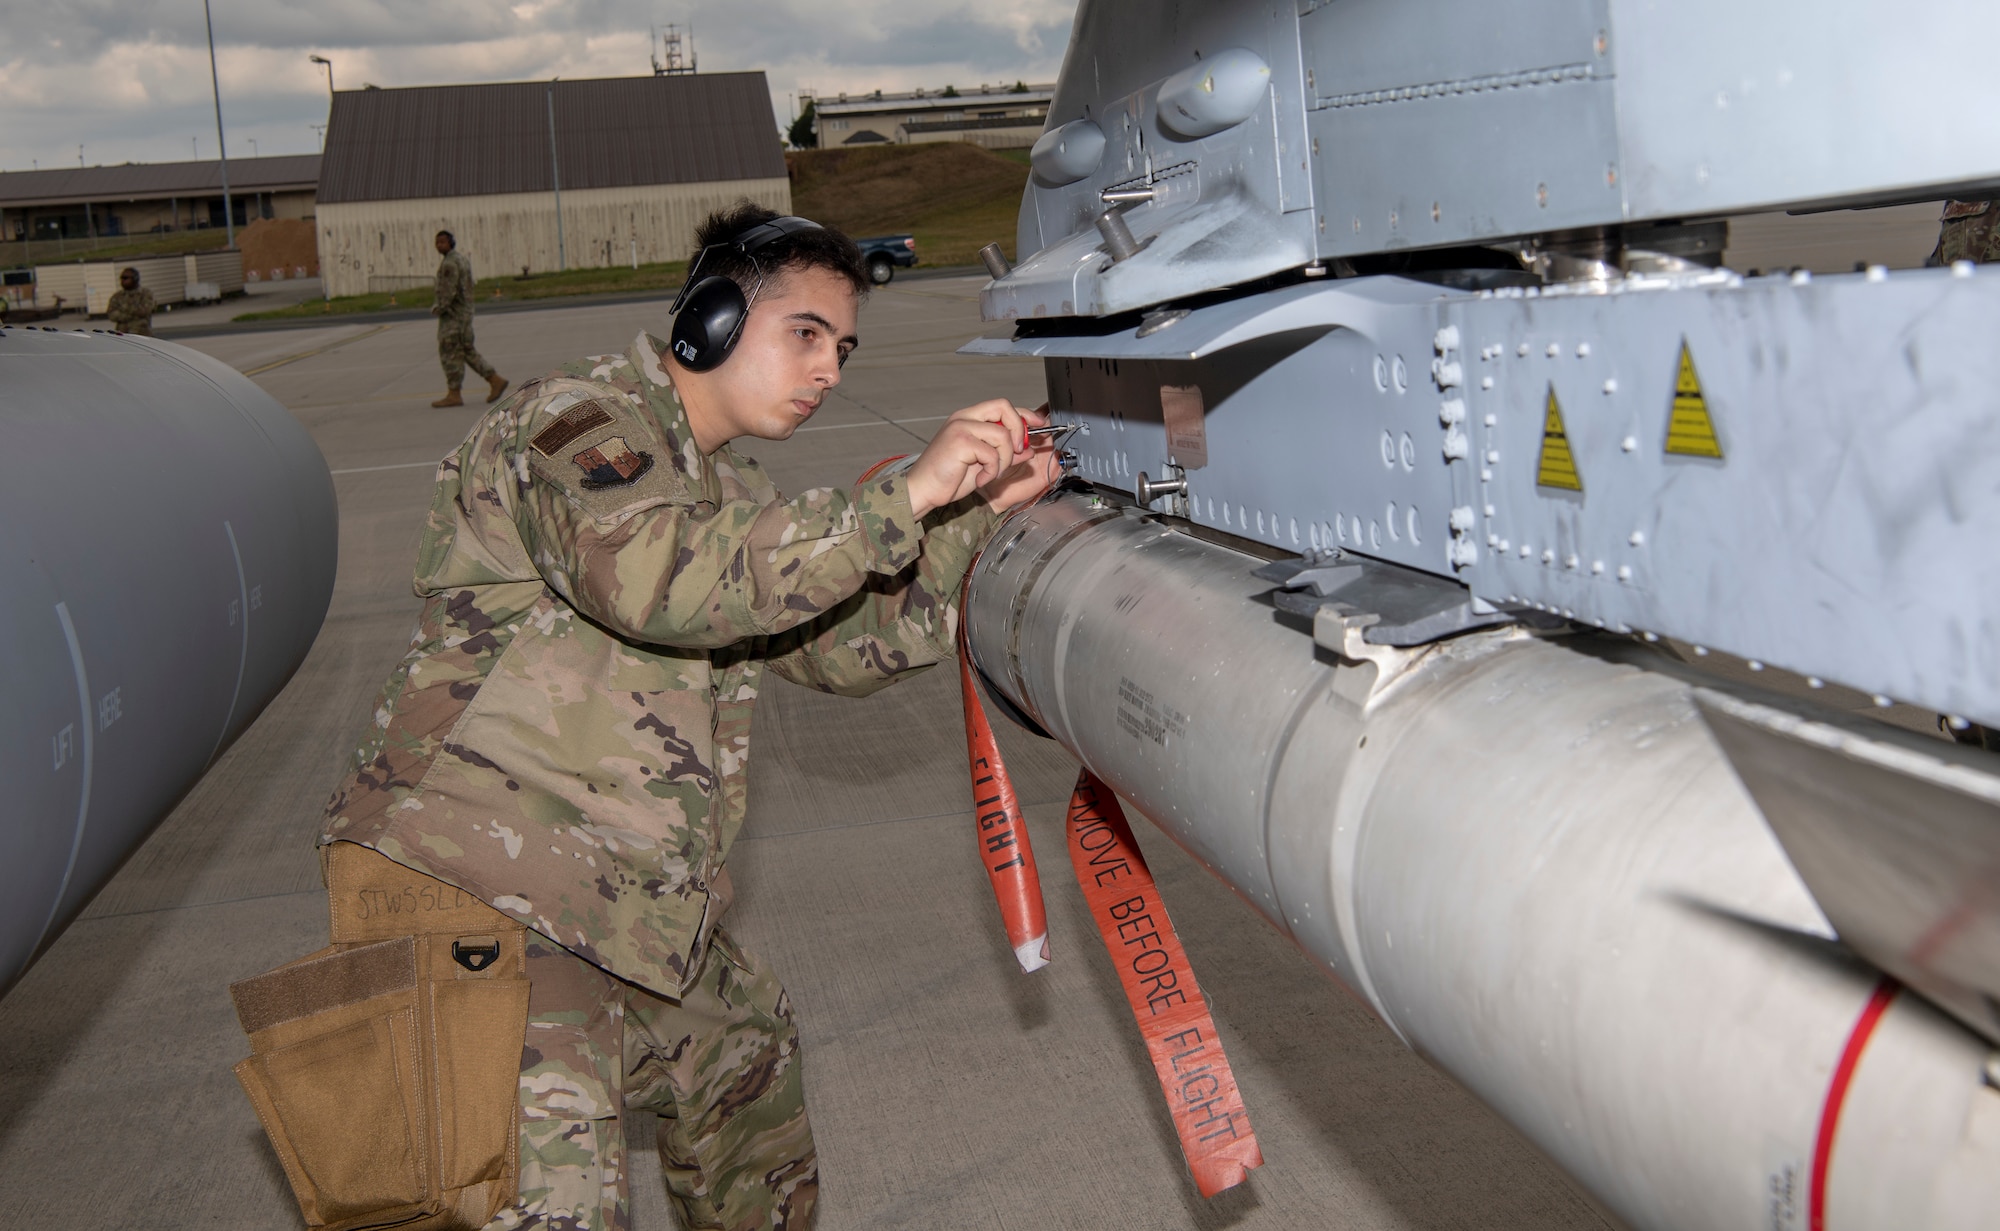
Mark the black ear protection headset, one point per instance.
(709, 314)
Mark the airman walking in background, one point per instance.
(131, 306)
(454, 312)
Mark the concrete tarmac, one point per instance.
(947, 1089)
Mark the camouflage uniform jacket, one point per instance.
(568, 736)
(454, 287)
(131, 311)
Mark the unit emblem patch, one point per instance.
(612, 463)
(567, 426)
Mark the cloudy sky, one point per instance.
(128, 79)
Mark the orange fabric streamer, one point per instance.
(1004, 848)
(1003, 832)
(1173, 1017)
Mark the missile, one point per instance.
(1526, 853)
(168, 534)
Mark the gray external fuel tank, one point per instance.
(1528, 855)
(167, 538)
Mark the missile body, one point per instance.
(167, 532)
(1528, 855)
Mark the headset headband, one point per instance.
(746, 242)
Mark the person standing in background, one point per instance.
(131, 306)
(454, 312)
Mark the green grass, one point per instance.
(666, 276)
(954, 198)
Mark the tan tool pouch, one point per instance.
(386, 1067)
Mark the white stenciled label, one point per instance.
(1141, 715)
(1187, 430)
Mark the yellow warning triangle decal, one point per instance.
(1558, 465)
(1690, 430)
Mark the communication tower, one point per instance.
(678, 48)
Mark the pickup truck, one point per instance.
(884, 252)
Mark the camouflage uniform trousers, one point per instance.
(455, 349)
(721, 1068)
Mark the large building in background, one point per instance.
(636, 161)
(140, 198)
(999, 117)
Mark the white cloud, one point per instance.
(128, 79)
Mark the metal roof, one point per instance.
(149, 181)
(971, 96)
(614, 132)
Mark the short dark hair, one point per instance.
(129, 270)
(824, 248)
(446, 235)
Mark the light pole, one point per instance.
(329, 72)
(253, 146)
(555, 174)
(221, 146)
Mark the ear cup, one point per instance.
(708, 325)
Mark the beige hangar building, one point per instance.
(635, 161)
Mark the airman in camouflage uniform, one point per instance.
(131, 306)
(604, 586)
(1969, 231)
(453, 308)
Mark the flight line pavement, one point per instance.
(947, 1089)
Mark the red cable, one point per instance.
(1836, 1095)
(878, 468)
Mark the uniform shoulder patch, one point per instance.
(583, 417)
(602, 453)
(612, 462)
